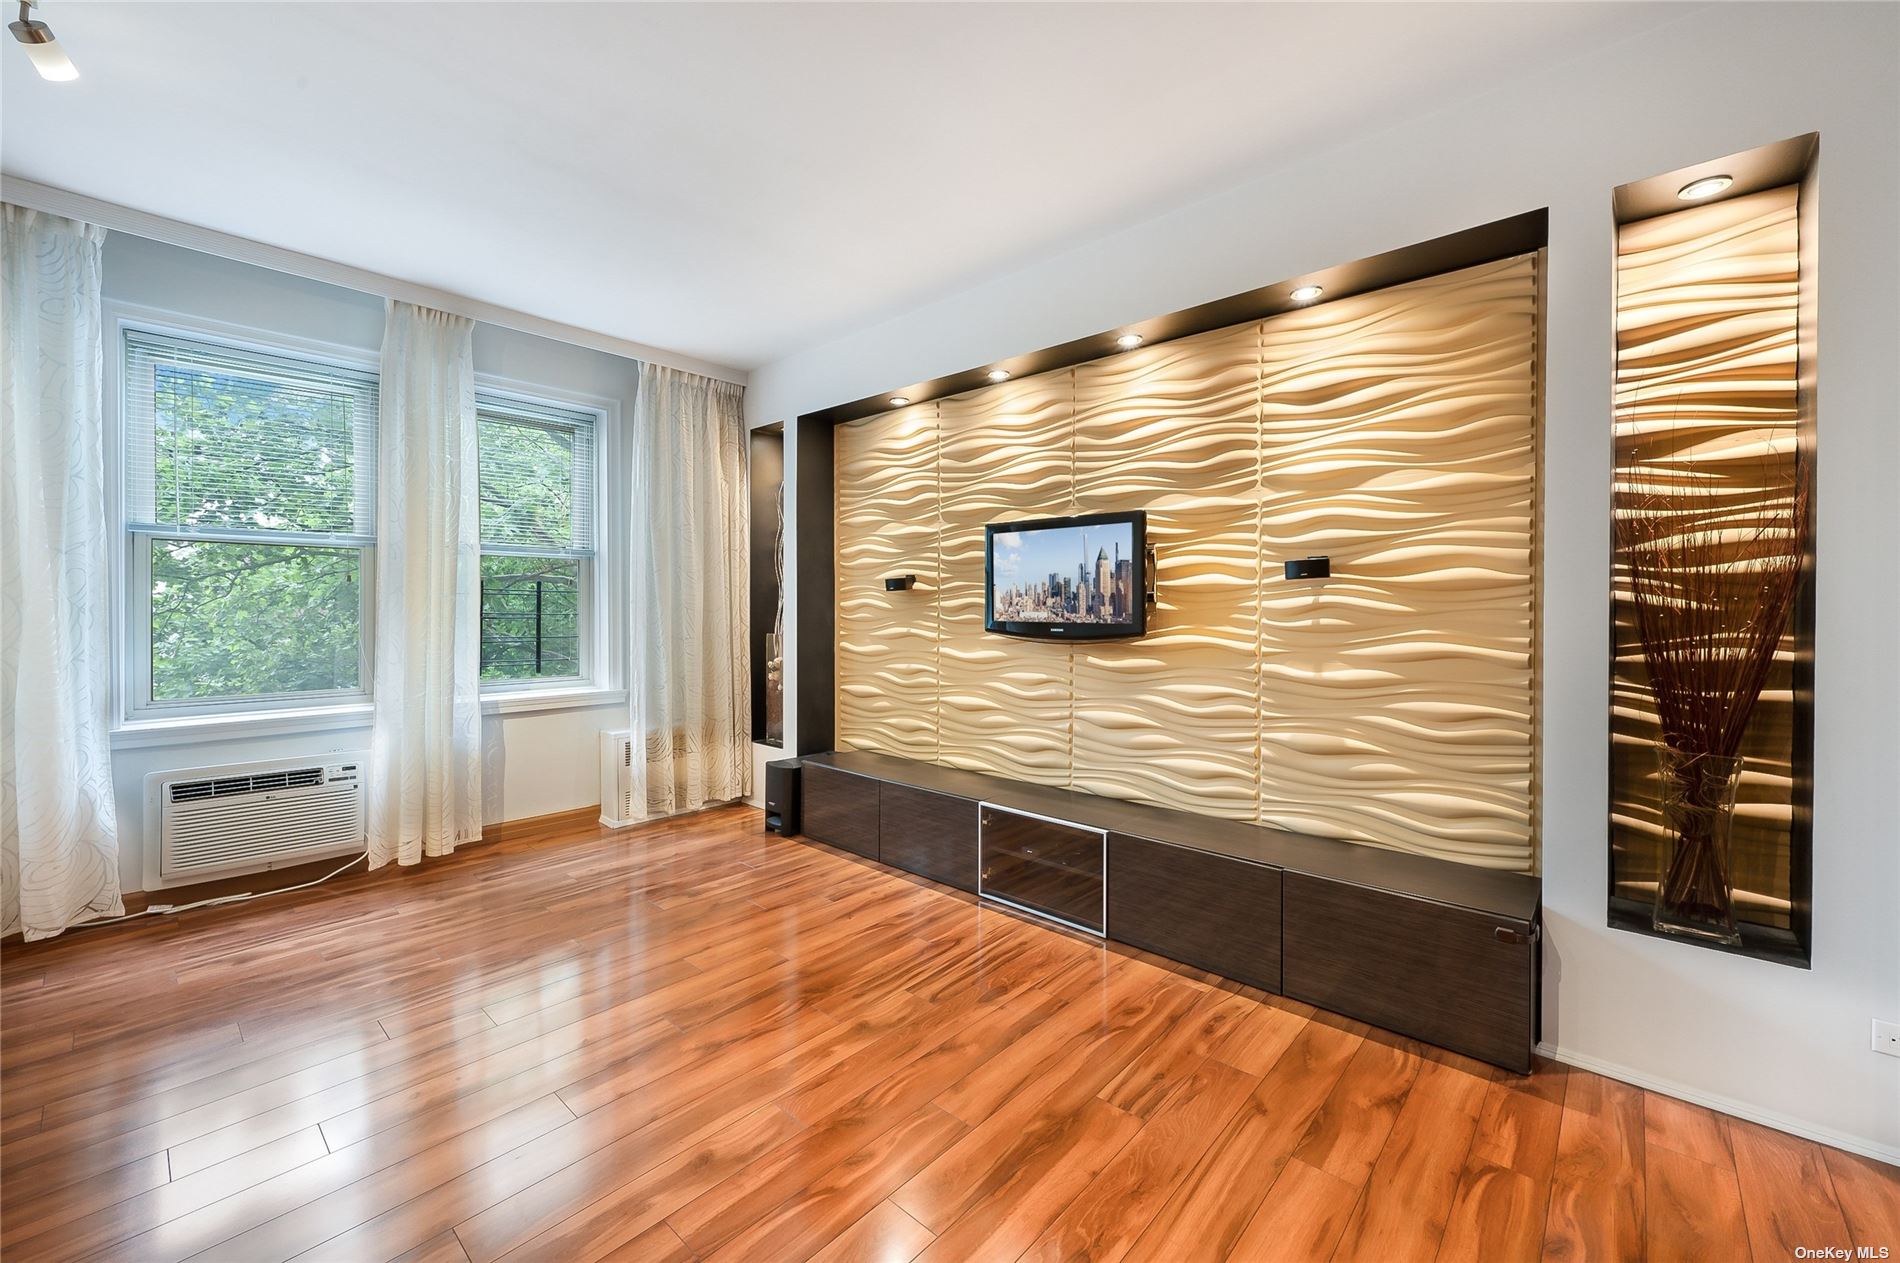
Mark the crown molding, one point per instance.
(138, 223)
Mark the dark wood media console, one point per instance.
(1442, 952)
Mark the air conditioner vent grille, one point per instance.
(244, 817)
(226, 786)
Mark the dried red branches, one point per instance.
(1712, 550)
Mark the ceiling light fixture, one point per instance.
(1128, 341)
(1307, 293)
(898, 401)
(999, 374)
(1707, 186)
(41, 47)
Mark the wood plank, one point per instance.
(1693, 1211)
(1350, 1128)
(513, 1227)
(1103, 1222)
(1690, 1130)
(835, 1199)
(1039, 1177)
(1409, 1195)
(1301, 1219)
(1518, 1131)
(885, 1235)
(658, 1244)
(1597, 1187)
(1869, 1194)
(442, 1249)
(1786, 1193)
(1497, 1215)
(1211, 1208)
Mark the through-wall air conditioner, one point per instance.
(238, 818)
(616, 779)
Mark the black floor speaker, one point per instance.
(781, 797)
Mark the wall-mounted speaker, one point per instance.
(900, 582)
(1309, 568)
(781, 797)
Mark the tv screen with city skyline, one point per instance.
(1072, 578)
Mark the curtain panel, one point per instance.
(425, 789)
(688, 690)
(59, 853)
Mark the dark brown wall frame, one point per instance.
(766, 450)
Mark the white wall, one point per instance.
(536, 762)
(1786, 1046)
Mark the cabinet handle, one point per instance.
(1505, 934)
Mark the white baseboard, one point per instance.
(1725, 1105)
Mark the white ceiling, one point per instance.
(729, 181)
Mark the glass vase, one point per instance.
(1695, 898)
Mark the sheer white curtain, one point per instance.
(59, 852)
(687, 685)
(425, 792)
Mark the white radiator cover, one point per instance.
(616, 779)
(235, 818)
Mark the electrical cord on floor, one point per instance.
(169, 909)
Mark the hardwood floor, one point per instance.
(696, 1041)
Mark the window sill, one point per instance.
(184, 730)
(140, 733)
(579, 697)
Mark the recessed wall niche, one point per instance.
(1714, 432)
(1392, 703)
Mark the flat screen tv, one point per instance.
(1067, 578)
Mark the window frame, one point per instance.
(592, 619)
(131, 553)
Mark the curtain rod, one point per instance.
(138, 223)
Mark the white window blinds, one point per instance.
(226, 442)
(537, 478)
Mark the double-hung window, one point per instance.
(537, 526)
(249, 505)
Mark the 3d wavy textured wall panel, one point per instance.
(1392, 704)
(1004, 706)
(1173, 718)
(1398, 438)
(888, 525)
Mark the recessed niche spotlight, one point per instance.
(999, 374)
(1307, 293)
(898, 401)
(1128, 341)
(1707, 186)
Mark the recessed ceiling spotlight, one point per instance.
(999, 374)
(1128, 341)
(42, 49)
(1307, 293)
(898, 401)
(1707, 186)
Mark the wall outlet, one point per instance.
(1887, 1037)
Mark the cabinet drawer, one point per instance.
(930, 834)
(1051, 867)
(1449, 976)
(1204, 910)
(840, 808)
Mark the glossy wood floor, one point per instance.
(694, 1040)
